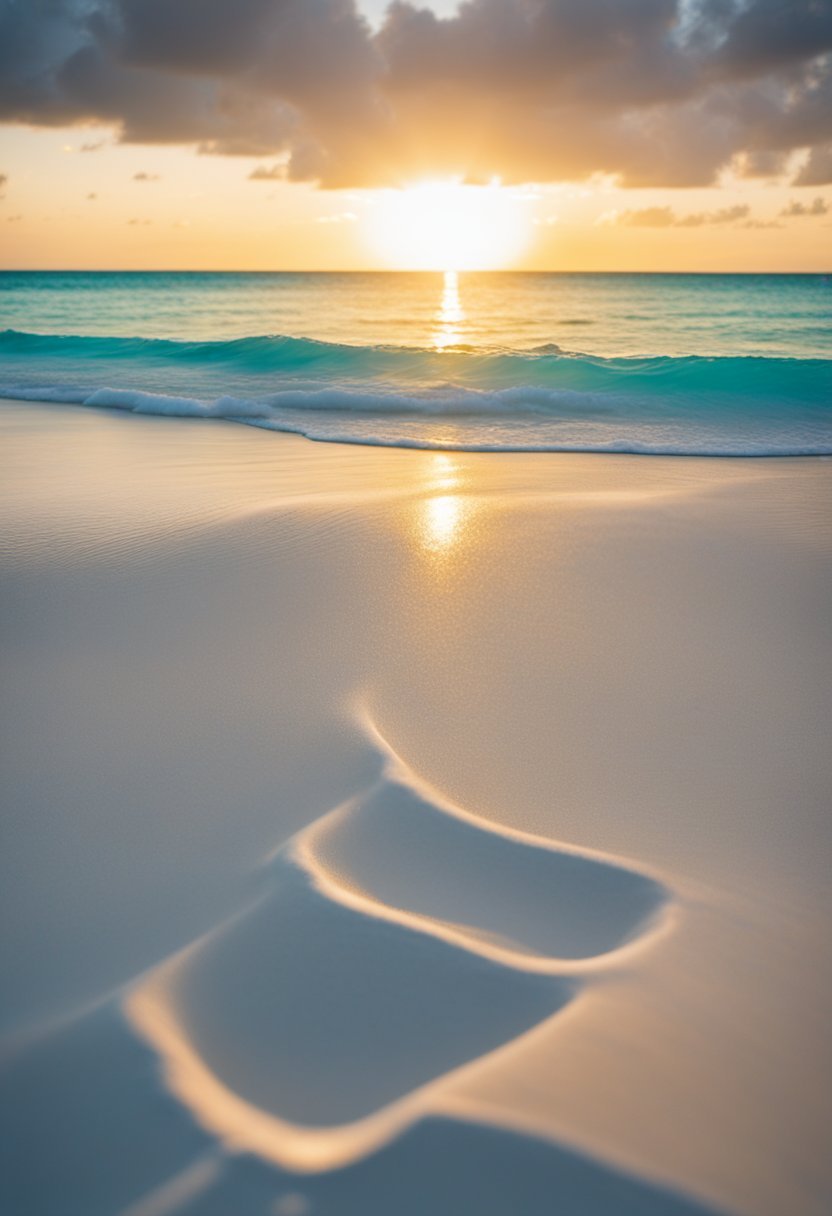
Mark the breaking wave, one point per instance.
(547, 399)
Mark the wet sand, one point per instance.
(407, 831)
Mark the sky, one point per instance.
(322, 134)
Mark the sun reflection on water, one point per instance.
(450, 317)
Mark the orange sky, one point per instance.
(712, 125)
(168, 207)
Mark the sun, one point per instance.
(445, 225)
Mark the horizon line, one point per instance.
(382, 270)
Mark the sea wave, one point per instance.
(546, 399)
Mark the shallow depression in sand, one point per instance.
(404, 849)
(399, 939)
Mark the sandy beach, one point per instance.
(408, 833)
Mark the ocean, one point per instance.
(731, 365)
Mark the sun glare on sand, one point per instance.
(444, 225)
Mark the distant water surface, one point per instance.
(708, 364)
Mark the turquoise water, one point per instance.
(708, 364)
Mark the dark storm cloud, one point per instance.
(660, 92)
(769, 34)
(208, 37)
(594, 52)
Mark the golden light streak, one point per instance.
(451, 315)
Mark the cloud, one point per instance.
(666, 217)
(817, 170)
(818, 206)
(268, 173)
(4, 179)
(723, 215)
(768, 34)
(648, 217)
(655, 92)
(765, 162)
(93, 147)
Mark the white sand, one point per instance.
(395, 833)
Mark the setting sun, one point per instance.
(444, 225)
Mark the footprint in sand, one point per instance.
(401, 938)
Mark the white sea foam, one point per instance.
(546, 399)
(517, 419)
